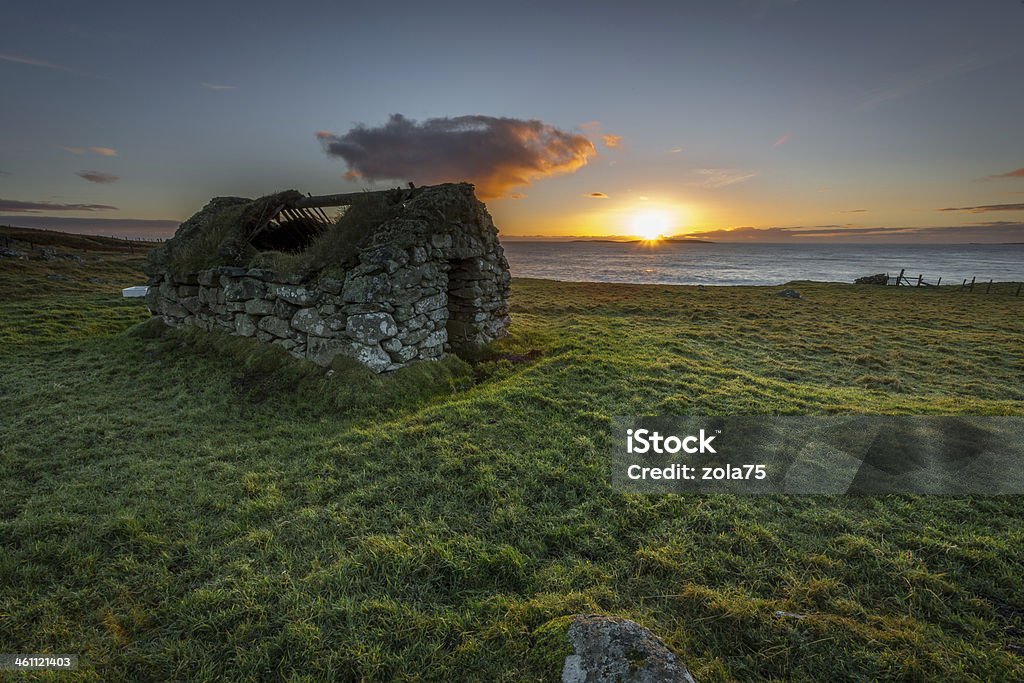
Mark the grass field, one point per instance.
(185, 507)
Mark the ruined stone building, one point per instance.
(401, 276)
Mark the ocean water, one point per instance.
(759, 264)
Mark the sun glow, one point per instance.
(651, 225)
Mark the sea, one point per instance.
(759, 264)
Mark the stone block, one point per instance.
(276, 326)
(308, 320)
(259, 307)
(245, 325)
(371, 328)
(431, 303)
(295, 294)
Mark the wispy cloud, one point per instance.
(611, 141)
(1016, 173)
(720, 177)
(593, 129)
(596, 195)
(909, 81)
(991, 233)
(16, 206)
(985, 208)
(782, 140)
(675, 150)
(98, 176)
(99, 151)
(854, 211)
(495, 153)
(43, 64)
(4, 174)
(217, 86)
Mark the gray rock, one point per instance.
(404, 354)
(431, 303)
(880, 279)
(371, 327)
(436, 338)
(276, 326)
(243, 289)
(308, 320)
(284, 310)
(612, 650)
(259, 307)
(413, 337)
(366, 288)
(789, 294)
(330, 285)
(322, 351)
(371, 355)
(295, 294)
(417, 255)
(261, 274)
(192, 303)
(231, 271)
(441, 241)
(245, 325)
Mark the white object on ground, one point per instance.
(137, 290)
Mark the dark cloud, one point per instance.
(98, 176)
(986, 208)
(15, 206)
(494, 153)
(854, 211)
(596, 195)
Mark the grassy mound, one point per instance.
(179, 506)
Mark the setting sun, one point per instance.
(651, 225)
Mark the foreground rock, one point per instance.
(789, 294)
(610, 650)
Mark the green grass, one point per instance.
(176, 506)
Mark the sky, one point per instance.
(736, 120)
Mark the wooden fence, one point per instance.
(902, 280)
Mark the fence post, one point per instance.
(939, 282)
(988, 287)
(919, 279)
(972, 282)
(899, 278)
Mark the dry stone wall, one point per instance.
(418, 290)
